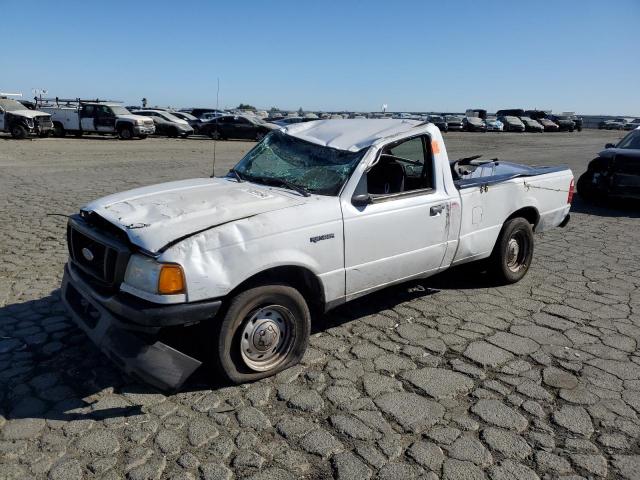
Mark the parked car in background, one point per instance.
(454, 122)
(78, 117)
(615, 172)
(199, 112)
(208, 116)
(237, 127)
(474, 124)
(511, 112)
(167, 124)
(440, 122)
(512, 124)
(565, 122)
(493, 124)
(289, 121)
(531, 125)
(577, 121)
(633, 124)
(20, 121)
(548, 125)
(476, 112)
(195, 122)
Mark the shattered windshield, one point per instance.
(315, 168)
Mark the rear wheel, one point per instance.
(18, 131)
(215, 135)
(58, 130)
(264, 330)
(512, 255)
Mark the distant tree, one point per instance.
(300, 112)
(274, 110)
(244, 106)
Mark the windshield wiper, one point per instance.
(237, 174)
(283, 183)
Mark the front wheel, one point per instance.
(18, 131)
(264, 330)
(126, 133)
(143, 136)
(58, 130)
(512, 255)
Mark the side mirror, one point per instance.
(361, 200)
(610, 145)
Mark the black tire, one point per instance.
(215, 135)
(18, 131)
(58, 130)
(585, 186)
(263, 310)
(125, 133)
(513, 252)
(143, 136)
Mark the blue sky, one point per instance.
(570, 55)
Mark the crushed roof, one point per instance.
(350, 134)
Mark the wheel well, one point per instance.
(303, 279)
(528, 213)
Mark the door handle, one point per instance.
(436, 210)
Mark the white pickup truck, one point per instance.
(78, 117)
(234, 269)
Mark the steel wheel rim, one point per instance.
(516, 251)
(267, 337)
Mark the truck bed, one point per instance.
(496, 172)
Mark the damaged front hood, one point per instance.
(156, 216)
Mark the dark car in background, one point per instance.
(548, 125)
(511, 123)
(439, 121)
(454, 122)
(166, 123)
(198, 112)
(565, 122)
(237, 127)
(615, 172)
(474, 124)
(512, 112)
(531, 125)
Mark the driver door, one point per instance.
(105, 119)
(402, 233)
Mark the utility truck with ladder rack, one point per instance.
(78, 117)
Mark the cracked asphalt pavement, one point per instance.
(451, 377)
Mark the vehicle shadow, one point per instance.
(607, 207)
(49, 369)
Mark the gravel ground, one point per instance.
(451, 377)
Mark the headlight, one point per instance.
(29, 122)
(150, 276)
(139, 122)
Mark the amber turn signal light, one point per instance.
(171, 280)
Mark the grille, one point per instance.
(97, 254)
(148, 122)
(44, 121)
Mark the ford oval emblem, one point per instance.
(87, 254)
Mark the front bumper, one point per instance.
(144, 130)
(128, 334)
